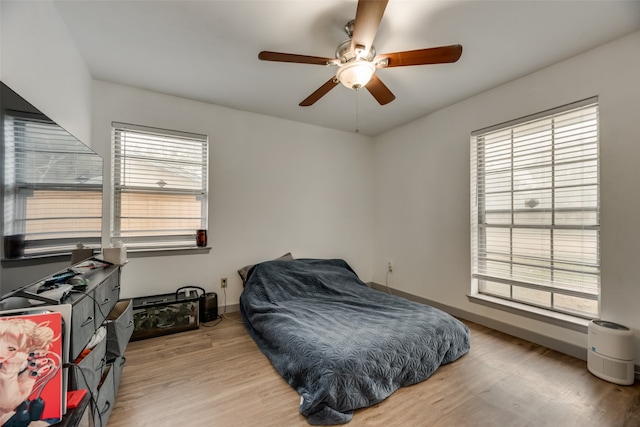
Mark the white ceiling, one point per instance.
(207, 50)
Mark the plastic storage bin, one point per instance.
(164, 314)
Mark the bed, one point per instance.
(340, 344)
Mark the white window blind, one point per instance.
(160, 180)
(53, 186)
(535, 210)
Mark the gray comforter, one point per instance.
(340, 344)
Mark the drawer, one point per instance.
(82, 325)
(118, 367)
(88, 371)
(105, 399)
(119, 324)
(106, 296)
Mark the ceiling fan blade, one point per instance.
(292, 57)
(319, 93)
(379, 90)
(433, 55)
(368, 16)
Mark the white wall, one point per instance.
(422, 188)
(275, 186)
(40, 62)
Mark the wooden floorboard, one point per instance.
(216, 376)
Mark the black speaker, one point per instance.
(207, 302)
(208, 307)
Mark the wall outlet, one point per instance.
(390, 266)
(223, 282)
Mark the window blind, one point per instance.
(535, 210)
(160, 180)
(45, 169)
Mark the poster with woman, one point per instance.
(31, 359)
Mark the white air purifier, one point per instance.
(610, 352)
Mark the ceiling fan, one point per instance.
(356, 57)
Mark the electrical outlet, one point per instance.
(390, 266)
(223, 282)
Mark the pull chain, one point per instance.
(357, 110)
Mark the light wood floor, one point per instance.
(216, 376)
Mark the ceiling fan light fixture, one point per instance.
(355, 74)
(356, 57)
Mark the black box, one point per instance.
(208, 307)
(165, 314)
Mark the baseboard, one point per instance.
(543, 340)
(230, 308)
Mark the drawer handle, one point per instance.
(86, 322)
(106, 301)
(107, 405)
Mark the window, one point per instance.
(52, 186)
(535, 210)
(159, 187)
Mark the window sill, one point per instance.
(567, 321)
(154, 252)
(27, 261)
